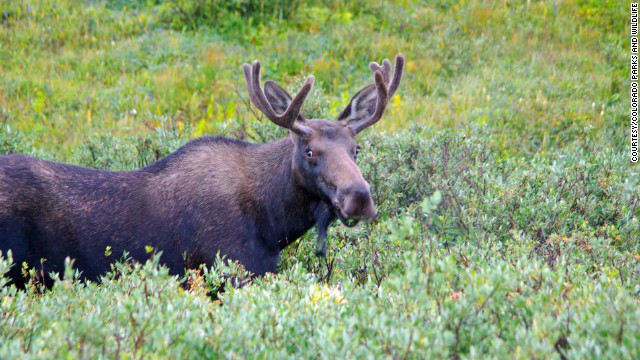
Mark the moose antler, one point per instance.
(259, 99)
(386, 87)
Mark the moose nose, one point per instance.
(357, 204)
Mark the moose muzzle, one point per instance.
(354, 204)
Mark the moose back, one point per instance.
(213, 195)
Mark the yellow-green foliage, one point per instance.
(509, 211)
(72, 69)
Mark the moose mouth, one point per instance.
(350, 222)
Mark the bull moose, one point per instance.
(213, 195)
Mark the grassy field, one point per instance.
(509, 209)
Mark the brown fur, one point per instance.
(213, 195)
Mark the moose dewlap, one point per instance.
(245, 201)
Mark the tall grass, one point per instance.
(542, 69)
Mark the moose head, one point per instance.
(325, 151)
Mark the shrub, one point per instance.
(508, 210)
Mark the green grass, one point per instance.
(515, 113)
(75, 69)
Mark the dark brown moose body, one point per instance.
(213, 195)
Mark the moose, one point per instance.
(214, 195)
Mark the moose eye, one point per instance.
(357, 152)
(309, 153)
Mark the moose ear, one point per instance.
(278, 97)
(361, 106)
